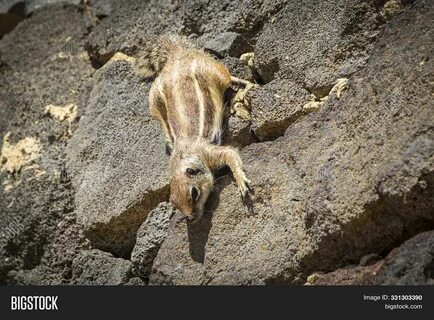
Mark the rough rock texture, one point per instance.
(238, 68)
(315, 42)
(192, 18)
(96, 267)
(11, 13)
(275, 106)
(341, 177)
(228, 43)
(410, 264)
(227, 246)
(36, 71)
(33, 5)
(117, 160)
(150, 236)
(351, 179)
(136, 281)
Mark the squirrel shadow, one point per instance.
(198, 232)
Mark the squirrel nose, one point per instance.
(187, 218)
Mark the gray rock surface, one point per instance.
(238, 69)
(321, 197)
(227, 246)
(150, 236)
(275, 106)
(95, 267)
(117, 160)
(315, 42)
(136, 281)
(338, 175)
(11, 13)
(191, 18)
(228, 43)
(412, 263)
(34, 5)
(36, 72)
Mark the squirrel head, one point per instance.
(192, 182)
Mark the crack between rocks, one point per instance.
(126, 225)
(377, 213)
(277, 128)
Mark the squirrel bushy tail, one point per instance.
(151, 60)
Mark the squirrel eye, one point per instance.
(194, 193)
(192, 171)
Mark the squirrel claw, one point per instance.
(246, 191)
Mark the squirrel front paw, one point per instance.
(245, 188)
(246, 191)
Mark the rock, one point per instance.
(369, 259)
(313, 278)
(36, 276)
(391, 8)
(117, 160)
(409, 264)
(228, 43)
(315, 43)
(11, 13)
(351, 275)
(102, 8)
(95, 267)
(354, 178)
(147, 19)
(150, 236)
(275, 106)
(136, 281)
(33, 5)
(340, 160)
(39, 197)
(61, 113)
(238, 69)
(15, 156)
(239, 133)
(228, 247)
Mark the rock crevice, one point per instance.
(338, 145)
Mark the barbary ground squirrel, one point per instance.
(187, 97)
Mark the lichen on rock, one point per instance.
(14, 156)
(61, 113)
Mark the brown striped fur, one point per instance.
(187, 97)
